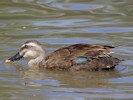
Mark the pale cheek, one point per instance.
(30, 54)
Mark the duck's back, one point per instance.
(81, 57)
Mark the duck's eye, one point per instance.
(25, 46)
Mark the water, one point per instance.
(57, 23)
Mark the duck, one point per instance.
(76, 57)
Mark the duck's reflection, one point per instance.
(41, 77)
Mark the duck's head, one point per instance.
(30, 49)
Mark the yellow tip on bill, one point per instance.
(7, 61)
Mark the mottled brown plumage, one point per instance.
(87, 57)
(63, 59)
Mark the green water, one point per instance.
(57, 23)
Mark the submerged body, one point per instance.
(89, 57)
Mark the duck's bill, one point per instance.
(16, 57)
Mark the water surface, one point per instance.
(57, 23)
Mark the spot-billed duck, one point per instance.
(87, 57)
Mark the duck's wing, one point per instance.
(83, 50)
(66, 57)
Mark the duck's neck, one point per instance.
(34, 63)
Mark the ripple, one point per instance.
(110, 30)
(70, 40)
(121, 80)
(67, 93)
(76, 6)
(60, 23)
(31, 10)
